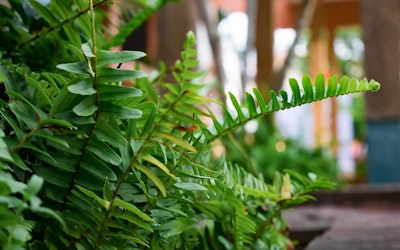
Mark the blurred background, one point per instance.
(261, 43)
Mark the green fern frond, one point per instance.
(300, 95)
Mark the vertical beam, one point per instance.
(380, 21)
(319, 62)
(174, 20)
(264, 45)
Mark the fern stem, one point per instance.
(242, 151)
(58, 26)
(97, 112)
(276, 212)
(147, 139)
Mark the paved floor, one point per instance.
(342, 228)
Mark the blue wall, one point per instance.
(383, 151)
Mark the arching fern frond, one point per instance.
(300, 95)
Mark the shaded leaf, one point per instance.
(120, 111)
(190, 186)
(104, 152)
(86, 107)
(107, 74)
(108, 134)
(104, 203)
(113, 92)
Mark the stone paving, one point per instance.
(347, 228)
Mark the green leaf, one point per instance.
(20, 163)
(56, 123)
(29, 145)
(332, 86)
(159, 164)
(344, 85)
(105, 57)
(83, 87)
(133, 209)
(10, 120)
(108, 134)
(237, 107)
(107, 193)
(51, 138)
(58, 178)
(308, 89)
(107, 74)
(190, 186)
(113, 92)
(227, 115)
(149, 123)
(86, 107)
(319, 87)
(104, 152)
(373, 85)
(260, 100)
(352, 85)
(21, 98)
(73, 36)
(178, 141)
(35, 184)
(362, 85)
(132, 219)
(34, 83)
(150, 174)
(275, 102)
(98, 168)
(251, 105)
(81, 68)
(121, 235)
(295, 91)
(104, 203)
(285, 99)
(120, 111)
(4, 152)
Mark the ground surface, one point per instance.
(360, 218)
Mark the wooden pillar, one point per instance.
(381, 24)
(264, 45)
(174, 20)
(319, 62)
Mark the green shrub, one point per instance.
(89, 163)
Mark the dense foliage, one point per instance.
(88, 162)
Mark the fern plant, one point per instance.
(90, 163)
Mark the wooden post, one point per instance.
(264, 45)
(380, 21)
(319, 62)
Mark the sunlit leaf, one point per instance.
(132, 208)
(81, 68)
(83, 87)
(178, 141)
(105, 57)
(150, 174)
(158, 163)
